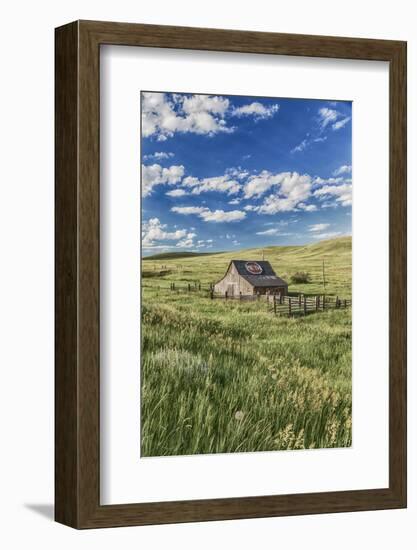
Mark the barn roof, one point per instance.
(267, 277)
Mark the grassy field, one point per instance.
(228, 376)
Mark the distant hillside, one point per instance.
(177, 255)
(322, 249)
(336, 254)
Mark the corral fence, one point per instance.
(285, 305)
(300, 304)
(303, 305)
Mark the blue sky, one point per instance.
(226, 172)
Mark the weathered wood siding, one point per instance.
(233, 284)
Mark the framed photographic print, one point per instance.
(230, 274)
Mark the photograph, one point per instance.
(246, 276)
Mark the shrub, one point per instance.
(301, 277)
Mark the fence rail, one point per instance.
(291, 305)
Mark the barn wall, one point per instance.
(232, 277)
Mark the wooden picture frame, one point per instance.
(77, 382)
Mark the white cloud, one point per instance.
(340, 123)
(222, 216)
(176, 193)
(186, 210)
(154, 174)
(345, 169)
(291, 190)
(238, 173)
(327, 116)
(163, 116)
(235, 201)
(320, 181)
(208, 215)
(318, 227)
(343, 193)
(187, 242)
(328, 204)
(300, 147)
(220, 184)
(274, 232)
(159, 155)
(307, 207)
(329, 235)
(306, 143)
(153, 231)
(257, 110)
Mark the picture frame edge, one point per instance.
(77, 382)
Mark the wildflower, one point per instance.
(239, 415)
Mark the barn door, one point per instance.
(230, 290)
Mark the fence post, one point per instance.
(317, 303)
(324, 302)
(289, 307)
(337, 302)
(211, 294)
(275, 305)
(305, 306)
(299, 301)
(189, 287)
(345, 304)
(199, 286)
(225, 295)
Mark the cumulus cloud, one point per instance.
(187, 242)
(317, 227)
(165, 114)
(159, 155)
(238, 173)
(222, 216)
(291, 190)
(222, 184)
(217, 216)
(342, 193)
(307, 207)
(344, 169)
(257, 110)
(320, 181)
(186, 210)
(176, 193)
(155, 174)
(153, 231)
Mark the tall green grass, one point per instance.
(229, 376)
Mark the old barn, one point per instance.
(248, 278)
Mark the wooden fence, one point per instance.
(303, 305)
(278, 305)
